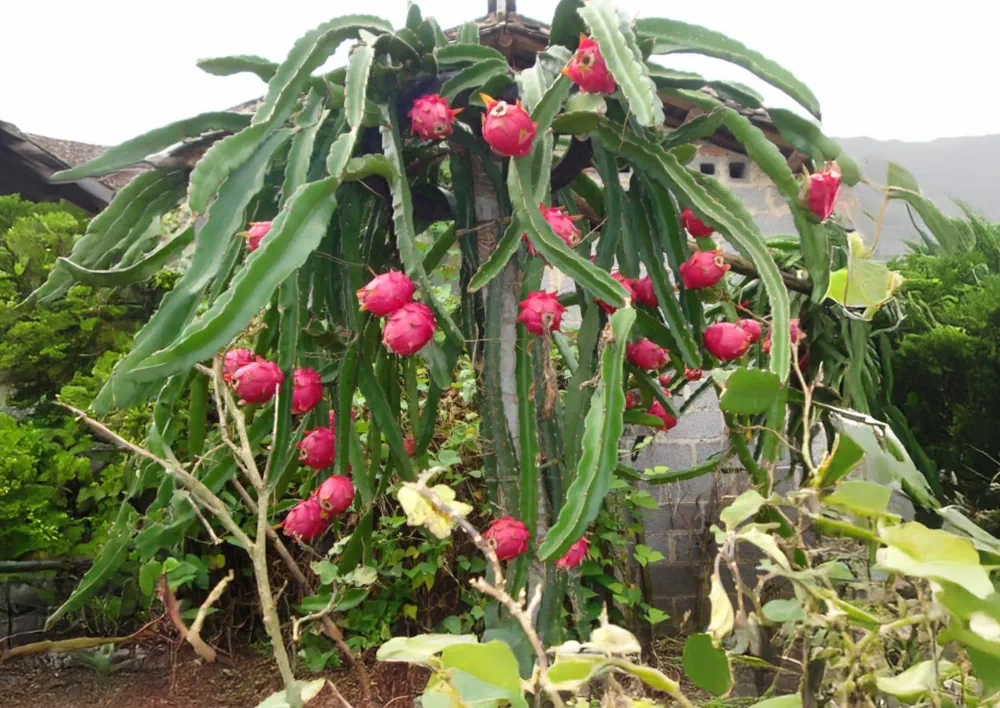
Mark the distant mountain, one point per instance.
(946, 169)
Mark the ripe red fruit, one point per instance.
(410, 445)
(726, 341)
(796, 335)
(431, 117)
(644, 292)
(692, 374)
(660, 412)
(695, 226)
(257, 382)
(234, 360)
(386, 293)
(305, 521)
(665, 380)
(409, 328)
(541, 313)
(632, 399)
(508, 129)
(318, 448)
(561, 223)
(509, 537)
(627, 284)
(821, 191)
(751, 327)
(307, 391)
(258, 230)
(588, 70)
(335, 494)
(575, 555)
(647, 355)
(703, 269)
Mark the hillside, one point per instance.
(946, 168)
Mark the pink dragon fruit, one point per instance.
(509, 537)
(645, 294)
(257, 382)
(256, 233)
(820, 191)
(695, 226)
(508, 129)
(751, 327)
(409, 328)
(541, 313)
(561, 223)
(431, 117)
(575, 555)
(632, 399)
(318, 448)
(307, 391)
(627, 284)
(703, 269)
(588, 70)
(410, 445)
(666, 379)
(692, 374)
(386, 293)
(335, 494)
(234, 360)
(305, 521)
(796, 335)
(647, 355)
(726, 341)
(660, 412)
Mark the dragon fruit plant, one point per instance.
(341, 174)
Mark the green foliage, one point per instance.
(947, 368)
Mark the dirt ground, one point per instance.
(185, 681)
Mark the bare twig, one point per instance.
(193, 635)
(337, 693)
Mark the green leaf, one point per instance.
(743, 507)
(567, 25)
(212, 241)
(740, 93)
(784, 611)
(570, 673)
(387, 422)
(862, 498)
(806, 137)
(766, 543)
(887, 459)
(468, 33)
(749, 391)
(535, 81)
(466, 53)
(357, 84)
(793, 700)
(473, 77)
(307, 689)
(241, 64)
(917, 681)
(711, 464)
(966, 527)
(864, 285)
(505, 249)
(845, 457)
(422, 648)
(672, 37)
(402, 219)
(913, 549)
(137, 149)
(220, 160)
(600, 451)
(522, 182)
(149, 574)
(665, 78)
(295, 233)
(715, 205)
(309, 53)
(706, 665)
(112, 556)
(141, 271)
(492, 663)
(618, 45)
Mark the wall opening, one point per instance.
(737, 169)
(707, 168)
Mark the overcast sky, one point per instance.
(105, 70)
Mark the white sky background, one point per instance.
(105, 70)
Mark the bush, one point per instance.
(947, 369)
